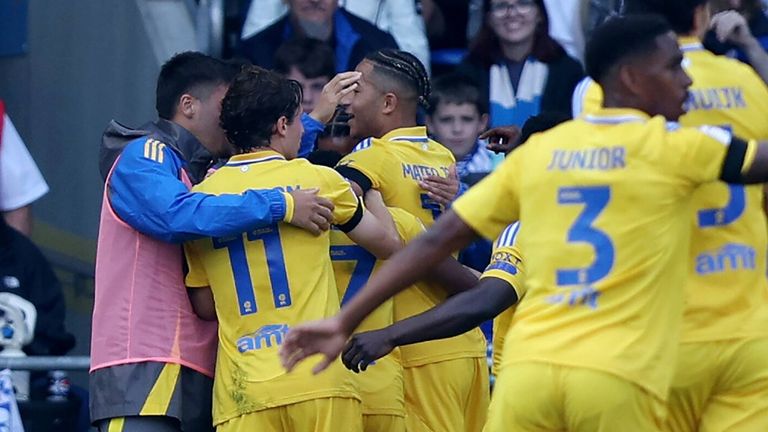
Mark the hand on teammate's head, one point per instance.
(335, 93)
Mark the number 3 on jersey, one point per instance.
(737, 201)
(278, 278)
(595, 199)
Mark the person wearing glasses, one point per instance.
(521, 69)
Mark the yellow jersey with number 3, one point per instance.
(727, 287)
(506, 264)
(265, 281)
(605, 203)
(394, 164)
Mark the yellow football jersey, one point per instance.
(727, 287)
(381, 385)
(422, 297)
(506, 264)
(394, 164)
(605, 203)
(265, 281)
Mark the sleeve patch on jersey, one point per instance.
(508, 237)
(503, 266)
(154, 150)
(717, 133)
(362, 145)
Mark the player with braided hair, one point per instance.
(446, 381)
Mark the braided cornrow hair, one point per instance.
(408, 68)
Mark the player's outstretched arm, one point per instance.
(146, 194)
(455, 316)
(409, 265)
(376, 231)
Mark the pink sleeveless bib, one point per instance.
(141, 310)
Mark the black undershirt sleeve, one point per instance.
(734, 161)
(356, 176)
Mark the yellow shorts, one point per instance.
(317, 415)
(383, 423)
(720, 386)
(547, 397)
(447, 396)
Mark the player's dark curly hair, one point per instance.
(405, 69)
(620, 38)
(255, 101)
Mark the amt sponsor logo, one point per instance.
(730, 257)
(264, 337)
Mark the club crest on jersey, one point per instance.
(266, 337)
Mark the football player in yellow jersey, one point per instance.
(381, 390)
(262, 282)
(604, 202)
(721, 382)
(501, 286)
(397, 158)
(396, 154)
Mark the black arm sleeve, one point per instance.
(456, 315)
(734, 161)
(355, 219)
(356, 176)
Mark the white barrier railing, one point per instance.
(44, 363)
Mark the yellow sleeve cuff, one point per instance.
(289, 207)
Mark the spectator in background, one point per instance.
(350, 37)
(308, 61)
(21, 183)
(521, 69)
(448, 30)
(456, 117)
(739, 29)
(24, 271)
(397, 17)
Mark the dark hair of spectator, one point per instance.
(542, 122)
(485, 48)
(190, 73)
(312, 57)
(621, 38)
(456, 89)
(679, 13)
(405, 69)
(254, 103)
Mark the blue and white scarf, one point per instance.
(514, 108)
